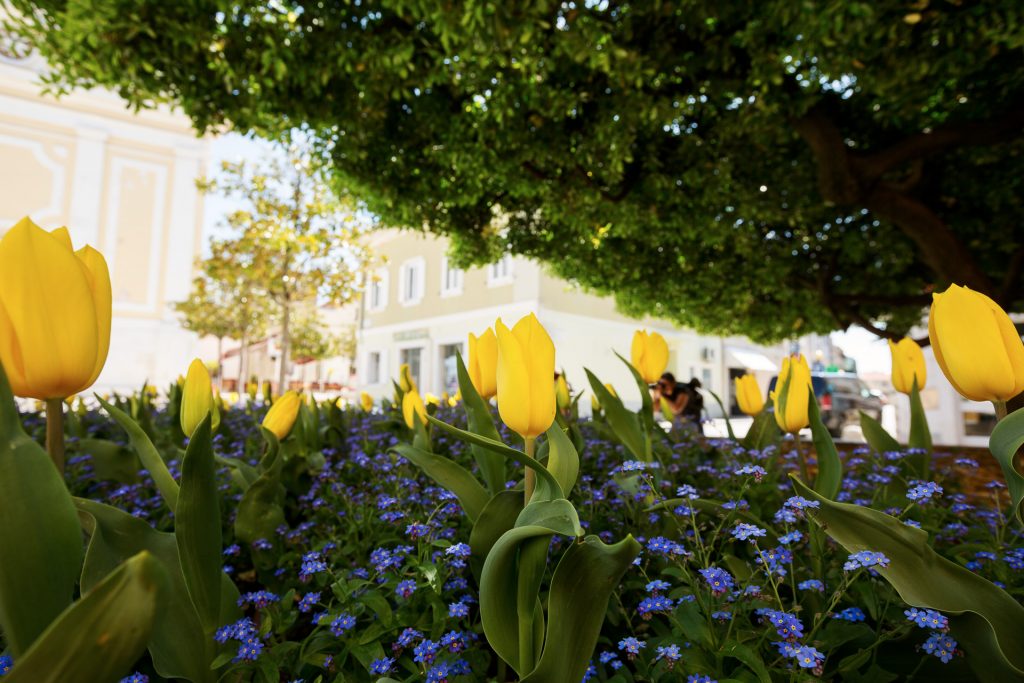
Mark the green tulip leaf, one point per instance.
(764, 431)
(582, 584)
(624, 423)
(876, 436)
(499, 591)
(102, 635)
(548, 487)
(197, 526)
(646, 412)
(39, 533)
(260, 511)
(148, 455)
(558, 515)
(830, 467)
(178, 646)
(449, 474)
(925, 579)
(563, 460)
(498, 516)
(479, 420)
(1007, 438)
(725, 414)
(920, 436)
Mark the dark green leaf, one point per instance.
(39, 533)
(197, 526)
(1007, 438)
(830, 467)
(876, 436)
(101, 636)
(478, 417)
(449, 474)
(925, 579)
(147, 453)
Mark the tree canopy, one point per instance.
(769, 168)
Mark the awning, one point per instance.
(751, 360)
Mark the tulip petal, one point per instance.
(936, 344)
(513, 381)
(50, 308)
(657, 356)
(1011, 342)
(972, 345)
(539, 353)
(99, 283)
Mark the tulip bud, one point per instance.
(412, 404)
(748, 395)
(405, 379)
(907, 365)
(366, 401)
(666, 409)
(431, 399)
(562, 397)
(454, 400)
(526, 364)
(196, 397)
(976, 345)
(483, 363)
(796, 397)
(55, 310)
(649, 355)
(282, 414)
(595, 404)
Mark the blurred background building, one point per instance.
(122, 182)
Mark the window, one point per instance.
(411, 286)
(451, 279)
(373, 369)
(449, 367)
(378, 296)
(411, 357)
(500, 273)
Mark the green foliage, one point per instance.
(100, 636)
(787, 168)
(1007, 439)
(38, 527)
(989, 616)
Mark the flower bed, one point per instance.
(370, 576)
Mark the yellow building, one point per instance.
(419, 310)
(120, 181)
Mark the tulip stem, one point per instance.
(530, 478)
(55, 432)
(1000, 407)
(803, 459)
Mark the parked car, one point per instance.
(841, 396)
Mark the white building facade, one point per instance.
(420, 310)
(122, 182)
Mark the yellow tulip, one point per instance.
(649, 354)
(54, 312)
(483, 363)
(405, 379)
(794, 417)
(907, 365)
(282, 414)
(196, 397)
(412, 404)
(526, 364)
(562, 397)
(431, 399)
(366, 401)
(454, 400)
(976, 345)
(748, 395)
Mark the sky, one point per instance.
(870, 352)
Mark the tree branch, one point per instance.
(1002, 128)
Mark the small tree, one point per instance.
(221, 304)
(293, 241)
(312, 341)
